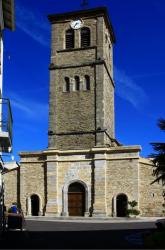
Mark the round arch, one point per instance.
(65, 197)
(121, 205)
(85, 35)
(34, 205)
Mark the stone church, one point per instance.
(84, 171)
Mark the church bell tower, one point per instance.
(81, 101)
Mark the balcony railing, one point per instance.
(5, 125)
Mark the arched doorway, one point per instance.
(35, 205)
(122, 205)
(76, 199)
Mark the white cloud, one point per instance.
(29, 109)
(128, 89)
(22, 107)
(33, 24)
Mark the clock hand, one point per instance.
(75, 24)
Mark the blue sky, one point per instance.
(139, 70)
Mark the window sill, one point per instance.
(77, 91)
(76, 49)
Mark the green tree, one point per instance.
(159, 156)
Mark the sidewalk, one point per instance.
(93, 219)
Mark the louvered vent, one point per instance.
(69, 39)
(85, 37)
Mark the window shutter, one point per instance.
(69, 39)
(85, 37)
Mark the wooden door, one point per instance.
(76, 203)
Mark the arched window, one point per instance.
(67, 84)
(77, 83)
(87, 82)
(69, 39)
(85, 37)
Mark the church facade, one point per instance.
(84, 171)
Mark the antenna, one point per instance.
(84, 3)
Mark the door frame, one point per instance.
(65, 197)
(29, 205)
(79, 198)
(114, 203)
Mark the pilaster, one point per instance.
(52, 186)
(99, 206)
(99, 105)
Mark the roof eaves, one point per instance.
(9, 14)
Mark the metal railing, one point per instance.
(6, 120)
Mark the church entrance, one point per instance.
(122, 204)
(35, 205)
(76, 199)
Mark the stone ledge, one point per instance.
(121, 149)
(118, 149)
(147, 161)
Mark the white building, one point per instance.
(6, 21)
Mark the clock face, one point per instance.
(76, 24)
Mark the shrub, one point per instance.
(132, 210)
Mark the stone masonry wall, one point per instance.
(58, 38)
(73, 57)
(74, 110)
(11, 188)
(72, 171)
(78, 106)
(109, 105)
(121, 178)
(151, 200)
(33, 181)
(80, 111)
(108, 50)
(105, 173)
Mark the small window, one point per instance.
(77, 83)
(87, 82)
(67, 84)
(85, 37)
(69, 39)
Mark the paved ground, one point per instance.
(32, 225)
(79, 235)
